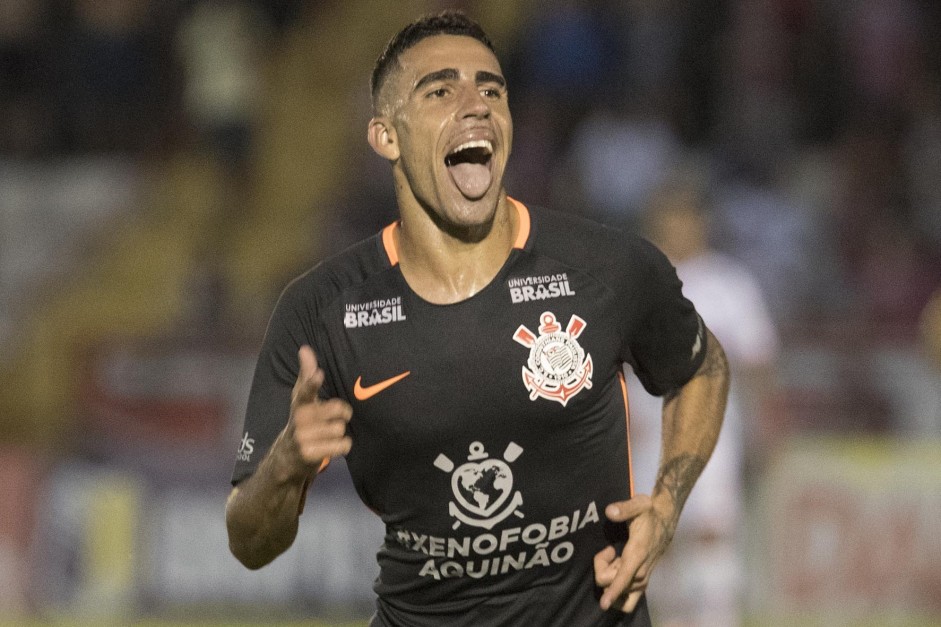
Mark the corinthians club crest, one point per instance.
(557, 368)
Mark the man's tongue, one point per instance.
(473, 179)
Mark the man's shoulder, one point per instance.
(340, 272)
(582, 241)
(555, 218)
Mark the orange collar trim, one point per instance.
(388, 242)
(522, 234)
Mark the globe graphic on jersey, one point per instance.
(483, 487)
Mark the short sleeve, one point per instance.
(665, 342)
(269, 401)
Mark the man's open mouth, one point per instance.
(469, 166)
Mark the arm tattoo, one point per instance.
(715, 362)
(679, 474)
(692, 419)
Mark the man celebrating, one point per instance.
(467, 363)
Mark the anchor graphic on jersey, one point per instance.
(483, 487)
(557, 368)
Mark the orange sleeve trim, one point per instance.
(388, 243)
(627, 417)
(522, 235)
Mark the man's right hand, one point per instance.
(316, 427)
(262, 511)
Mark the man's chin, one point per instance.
(469, 219)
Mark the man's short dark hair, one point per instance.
(448, 22)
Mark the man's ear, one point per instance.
(382, 138)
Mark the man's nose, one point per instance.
(473, 103)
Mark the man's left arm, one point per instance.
(692, 418)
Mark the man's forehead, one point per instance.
(439, 52)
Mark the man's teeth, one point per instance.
(479, 143)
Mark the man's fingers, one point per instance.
(324, 411)
(322, 430)
(307, 360)
(322, 420)
(318, 451)
(629, 604)
(630, 576)
(605, 566)
(620, 584)
(625, 578)
(319, 429)
(622, 511)
(309, 376)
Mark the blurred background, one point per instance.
(166, 166)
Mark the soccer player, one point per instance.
(467, 362)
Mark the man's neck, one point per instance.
(441, 266)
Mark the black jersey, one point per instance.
(488, 434)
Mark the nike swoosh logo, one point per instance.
(362, 393)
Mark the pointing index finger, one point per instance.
(309, 376)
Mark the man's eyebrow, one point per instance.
(447, 74)
(451, 74)
(484, 76)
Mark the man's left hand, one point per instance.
(624, 578)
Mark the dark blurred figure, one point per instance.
(569, 52)
(930, 334)
(116, 75)
(282, 15)
(567, 58)
(899, 285)
(925, 420)
(884, 45)
(671, 64)
(26, 115)
(221, 46)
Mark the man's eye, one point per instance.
(492, 92)
(441, 92)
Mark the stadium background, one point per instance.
(167, 165)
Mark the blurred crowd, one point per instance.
(136, 77)
(814, 125)
(786, 154)
(810, 130)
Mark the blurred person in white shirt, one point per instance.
(704, 569)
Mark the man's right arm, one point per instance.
(262, 511)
